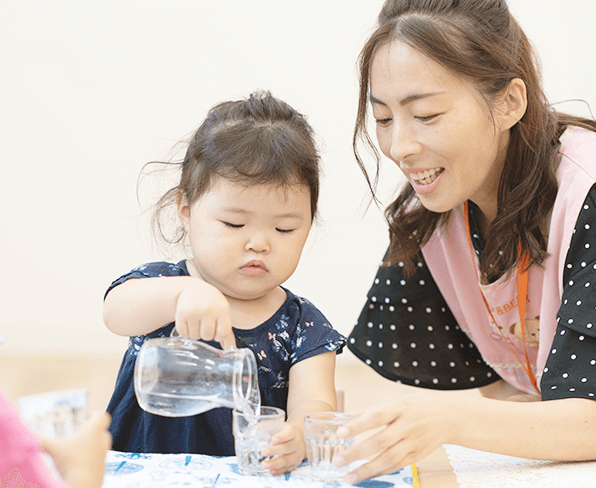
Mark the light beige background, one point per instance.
(90, 91)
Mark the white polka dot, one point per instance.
(370, 325)
(381, 307)
(352, 340)
(433, 363)
(413, 345)
(431, 346)
(376, 281)
(401, 264)
(428, 310)
(373, 299)
(452, 364)
(587, 285)
(380, 326)
(404, 300)
(380, 363)
(369, 343)
(417, 381)
(571, 283)
(396, 364)
(565, 375)
(579, 302)
(563, 332)
(589, 326)
(368, 361)
(546, 370)
(593, 362)
(453, 380)
(430, 328)
(591, 394)
(422, 282)
(584, 380)
(380, 345)
(570, 321)
(391, 308)
(388, 282)
(387, 300)
(573, 356)
(402, 282)
(420, 264)
(446, 327)
(435, 381)
(581, 338)
(554, 351)
(571, 389)
(392, 327)
(410, 309)
(371, 306)
(587, 246)
(584, 264)
(569, 266)
(554, 387)
(449, 346)
(394, 345)
(411, 327)
(472, 378)
(414, 363)
(586, 207)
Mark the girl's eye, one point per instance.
(383, 122)
(233, 226)
(284, 231)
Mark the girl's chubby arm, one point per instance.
(140, 306)
(412, 428)
(312, 389)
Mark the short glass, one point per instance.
(323, 444)
(252, 433)
(56, 413)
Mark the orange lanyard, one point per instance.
(522, 290)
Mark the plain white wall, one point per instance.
(92, 90)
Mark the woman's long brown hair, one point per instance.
(481, 42)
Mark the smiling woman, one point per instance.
(490, 238)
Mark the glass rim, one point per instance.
(272, 412)
(331, 417)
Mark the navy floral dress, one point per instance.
(297, 331)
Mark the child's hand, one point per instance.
(203, 312)
(289, 447)
(80, 459)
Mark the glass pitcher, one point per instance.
(178, 376)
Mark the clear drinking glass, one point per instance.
(322, 444)
(252, 433)
(177, 377)
(55, 413)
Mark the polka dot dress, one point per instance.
(407, 333)
(570, 370)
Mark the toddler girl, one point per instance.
(246, 200)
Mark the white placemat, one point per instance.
(479, 469)
(131, 470)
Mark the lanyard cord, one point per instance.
(522, 290)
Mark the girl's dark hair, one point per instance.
(479, 40)
(253, 141)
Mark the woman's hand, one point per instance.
(409, 430)
(289, 449)
(80, 459)
(203, 312)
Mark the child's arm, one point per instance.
(311, 389)
(80, 459)
(140, 306)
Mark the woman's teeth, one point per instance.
(427, 176)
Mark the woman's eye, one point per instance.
(426, 118)
(233, 226)
(284, 231)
